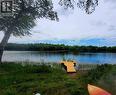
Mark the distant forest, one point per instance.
(58, 47)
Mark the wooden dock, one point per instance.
(69, 66)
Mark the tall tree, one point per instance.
(25, 14)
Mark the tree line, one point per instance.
(58, 47)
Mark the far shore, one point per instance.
(59, 48)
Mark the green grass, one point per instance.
(17, 79)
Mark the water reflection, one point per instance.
(36, 56)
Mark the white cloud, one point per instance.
(76, 25)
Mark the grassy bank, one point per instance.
(17, 79)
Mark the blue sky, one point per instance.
(75, 27)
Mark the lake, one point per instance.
(36, 56)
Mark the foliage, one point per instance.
(88, 5)
(101, 74)
(60, 48)
(17, 79)
(25, 14)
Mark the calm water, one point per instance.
(35, 56)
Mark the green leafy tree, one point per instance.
(25, 14)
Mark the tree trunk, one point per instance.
(4, 43)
